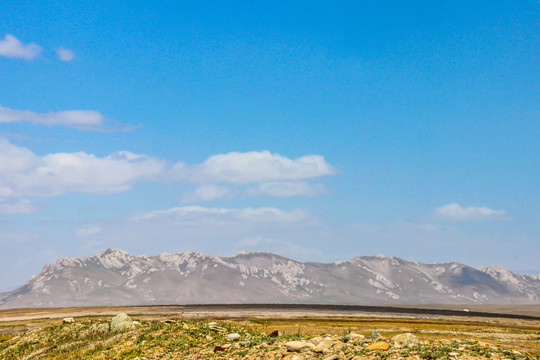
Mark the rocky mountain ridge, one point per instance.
(115, 277)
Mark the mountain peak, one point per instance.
(114, 277)
(113, 258)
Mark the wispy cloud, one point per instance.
(65, 54)
(8, 206)
(252, 167)
(284, 189)
(455, 212)
(22, 173)
(208, 192)
(79, 119)
(87, 230)
(203, 214)
(12, 47)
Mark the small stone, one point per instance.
(233, 337)
(380, 345)
(375, 334)
(68, 320)
(453, 353)
(245, 342)
(215, 327)
(209, 338)
(293, 357)
(299, 346)
(405, 340)
(331, 357)
(274, 333)
(353, 336)
(323, 345)
(218, 348)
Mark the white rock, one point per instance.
(299, 346)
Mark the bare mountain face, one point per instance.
(114, 277)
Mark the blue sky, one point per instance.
(320, 131)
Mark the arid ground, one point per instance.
(441, 336)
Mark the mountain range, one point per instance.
(115, 277)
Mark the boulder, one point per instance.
(405, 340)
(68, 320)
(121, 322)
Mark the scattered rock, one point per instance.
(214, 326)
(299, 346)
(274, 333)
(380, 345)
(375, 334)
(293, 357)
(68, 320)
(405, 340)
(331, 357)
(323, 345)
(218, 348)
(121, 322)
(233, 337)
(453, 353)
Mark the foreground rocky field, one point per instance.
(121, 337)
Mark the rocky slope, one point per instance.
(114, 277)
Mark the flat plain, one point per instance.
(441, 336)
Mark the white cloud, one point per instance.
(87, 230)
(208, 192)
(16, 207)
(23, 173)
(80, 119)
(186, 214)
(65, 54)
(12, 47)
(252, 167)
(283, 189)
(455, 212)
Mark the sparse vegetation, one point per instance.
(203, 339)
